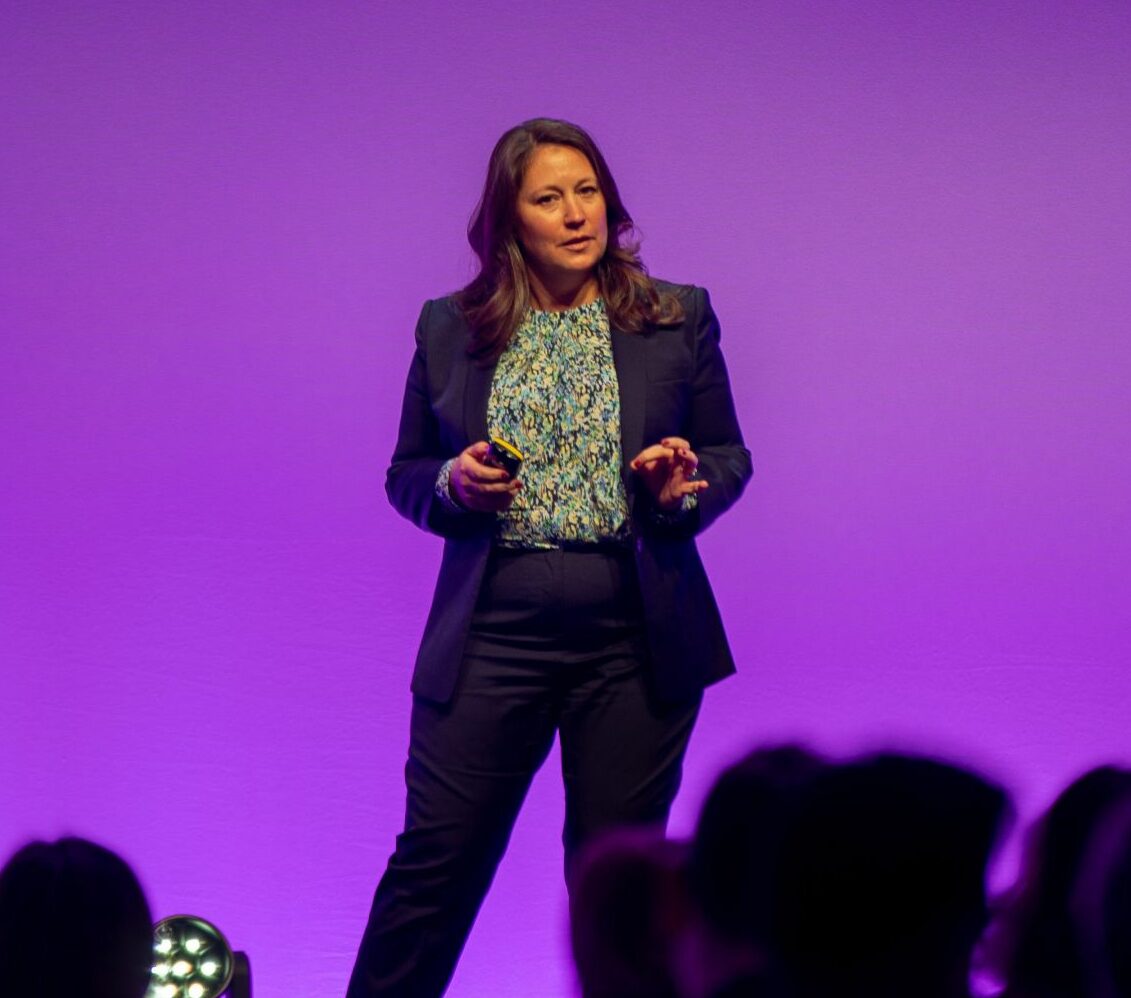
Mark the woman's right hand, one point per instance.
(481, 487)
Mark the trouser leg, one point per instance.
(622, 754)
(622, 748)
(557, 639)
(469, 768)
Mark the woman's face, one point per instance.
(561, 214)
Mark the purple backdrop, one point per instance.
(219, 223)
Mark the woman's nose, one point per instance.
(573, 212)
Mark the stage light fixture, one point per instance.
(192, 959)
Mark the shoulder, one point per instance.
(442, 310)
(441, 321)
(682, 291)
(695, 301)
(690, 296)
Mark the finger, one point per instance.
(681, 449)
(477, 471)
(490, 499)
(656, 452)
(505, 498)
(478, 450)
(682, 476)
(683, 467)
(471, 464)
(491, 488)
(684, 464)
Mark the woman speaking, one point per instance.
(568, 429)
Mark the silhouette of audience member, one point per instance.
(628, 904)
(734, 864)
(73, 922)
(807, 879)
(882, 883)
(1101, 905)
(1033, 944)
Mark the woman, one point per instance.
(571, 598)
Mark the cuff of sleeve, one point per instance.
(444, 490)
(670, 518)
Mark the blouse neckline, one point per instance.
(597, 305)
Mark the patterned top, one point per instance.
(555, 397)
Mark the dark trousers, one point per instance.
(556, 645)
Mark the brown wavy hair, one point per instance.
(498, 297)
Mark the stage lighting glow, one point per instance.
(195, 953)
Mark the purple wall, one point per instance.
(219, 223)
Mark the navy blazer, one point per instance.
(672, 382)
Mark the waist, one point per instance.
(622, 546)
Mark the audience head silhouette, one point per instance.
(73, 921)
(883, 879)
(628, 905)
(741, 829)
(1034, 945)
(734, 865)
(1101, 905)
(805, 879)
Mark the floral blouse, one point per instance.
(555, 397)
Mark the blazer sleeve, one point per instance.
(711, 426)
(410, 481)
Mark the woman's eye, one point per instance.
(545, 199)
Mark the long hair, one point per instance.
(496, 300)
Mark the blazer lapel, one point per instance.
(628, 356)
(476, 391)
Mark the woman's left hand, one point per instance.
(669, 470)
